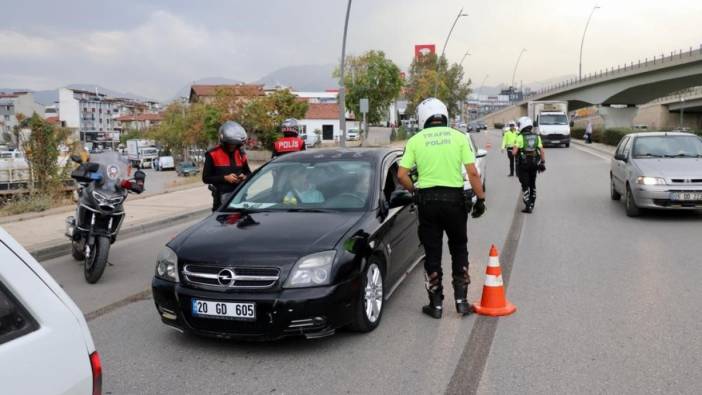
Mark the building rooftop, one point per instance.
(322, 111)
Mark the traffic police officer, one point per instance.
(508, 139)
(439, 153)
(290, 142)
(529, 152)
(226, 165)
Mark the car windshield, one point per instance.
(306, 186)
(187, 164)
(553, 119)
(668, 147)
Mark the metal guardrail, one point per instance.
(620, 69)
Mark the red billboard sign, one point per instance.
(424, 50)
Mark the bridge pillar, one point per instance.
(615, 117)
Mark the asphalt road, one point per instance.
(606, 304)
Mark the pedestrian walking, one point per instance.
(529, 151)
(588, 132)
(439, 152)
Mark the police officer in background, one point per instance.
(290, 142)
(529, 152)
(226, 165)
(439, 153)
(508, 139)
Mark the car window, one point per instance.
(668, 146)
(622, 144)
(392, 183)
(327, 184)
(627, 147)
(15, 321)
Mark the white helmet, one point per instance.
(429, 108)
(512, 123)
(524, 122)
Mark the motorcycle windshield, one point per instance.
(114, 168)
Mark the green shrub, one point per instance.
(26, 204)
(614, 136)
(577, 133)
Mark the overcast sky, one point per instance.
(154, 48)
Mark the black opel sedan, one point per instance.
(310, 243)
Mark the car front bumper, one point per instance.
(555, 139)
(310, 312)
(660, 197)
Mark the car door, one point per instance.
(402, 238)
(618, 165)
(44, 345)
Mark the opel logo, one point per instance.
(225, 277)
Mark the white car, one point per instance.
(45, 343)
(480, 163)
(311, 140)
(352, 135)
(164, 163)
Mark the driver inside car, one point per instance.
(302, 190)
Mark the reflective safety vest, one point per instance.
(529, 147)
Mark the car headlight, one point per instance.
(650, 181)
(311, 270)
(167, 265)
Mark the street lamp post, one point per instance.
(342, 90)
(436, 83)
(580, 68)
(480, 90)
(464, 57)
(514, 73)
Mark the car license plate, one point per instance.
(226, 310)
(555, 141)
(687, 196)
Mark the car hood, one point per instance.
(266, 238)
(670, 167)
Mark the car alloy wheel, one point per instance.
(631, 209)
(373, 295)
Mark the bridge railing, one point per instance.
(620, 69)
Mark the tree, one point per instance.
(424, 80)
(263, 115)
(41, 148)
(374, 77)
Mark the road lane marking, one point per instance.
(592, 152)
(469, 370)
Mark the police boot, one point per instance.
(460, 292)
(436, 296)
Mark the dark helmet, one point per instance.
(290, 125)
(232, 133)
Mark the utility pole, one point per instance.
(342, 92)
(438, 60)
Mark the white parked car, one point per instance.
(45, 343)
(164, 163)
(480, 163)
(311, 140)
(352, 135)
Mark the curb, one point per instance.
(61, 247)
(590, 146)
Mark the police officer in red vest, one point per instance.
(226, 165)
(290, 142)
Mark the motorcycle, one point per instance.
(103, 186)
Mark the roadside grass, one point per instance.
(32, 204)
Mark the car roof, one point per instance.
(371, 154)
(661, 133)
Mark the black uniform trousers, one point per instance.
(442, 210)
(527, 171)
(510, 156)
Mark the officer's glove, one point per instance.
(479, 208)
(541, 167)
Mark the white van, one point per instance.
(164, 163)
(45, 343)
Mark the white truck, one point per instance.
(551, 121)
(141, 153)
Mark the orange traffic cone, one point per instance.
(494, 302)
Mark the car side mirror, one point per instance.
(481, 153)
(357, 244)
(400, 198)
(620, 157)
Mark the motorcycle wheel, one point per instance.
(97, 260)
(78, 250)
